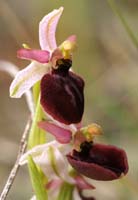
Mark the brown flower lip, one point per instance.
(62, 94)
(86, 198)
(100, 162)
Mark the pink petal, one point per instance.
(47, 29)
(72, 38)
(83, 184)
(62, 135)
(54, 184)
(41, 56)
(69, 44)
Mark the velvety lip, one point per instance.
(102, 162)
(62, 96)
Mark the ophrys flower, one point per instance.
(61, 90)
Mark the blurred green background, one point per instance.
(107, 60)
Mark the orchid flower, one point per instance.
(55, 186)
(51, 65)
(99, 161)
(96, 161)
(59, 167)
(51, 158)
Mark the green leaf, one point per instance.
(37, 180)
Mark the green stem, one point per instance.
(37, 180)
(36, 92)
(36, 135)
(128, 29)
(65, 192)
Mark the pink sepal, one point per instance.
(54, 184)
(62, 135)
(42, 56)
(47, 29)
(72, 38)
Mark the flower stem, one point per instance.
(36, 92)
(36, 135)
(128, 29)
(66, 192)
(37, 180)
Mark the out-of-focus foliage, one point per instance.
(106, 59)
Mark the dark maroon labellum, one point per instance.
(62, 94)
(86, 198)
(99, 161)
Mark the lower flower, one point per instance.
(57, 189)
(51, 158)
(99, 161)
